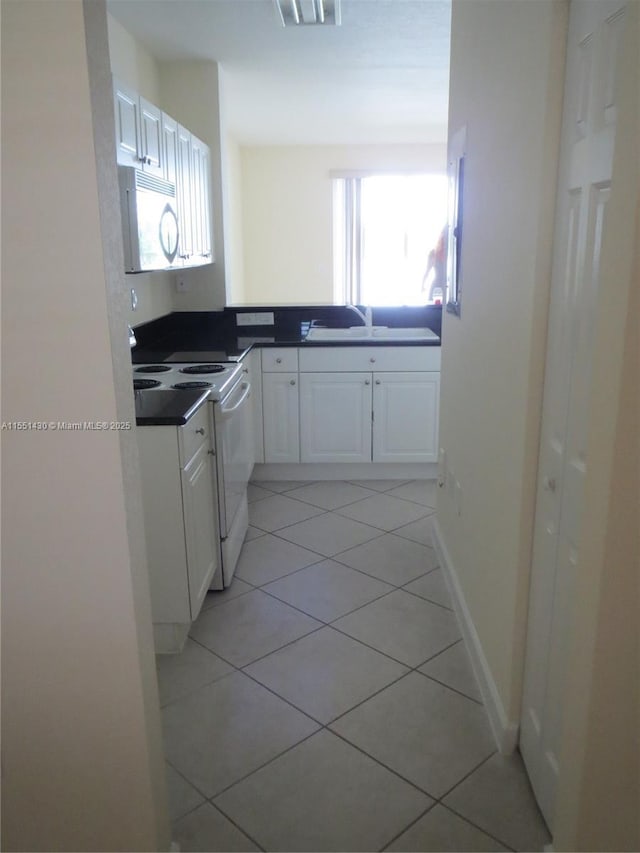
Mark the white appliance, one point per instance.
(149, 221)
(230, 410)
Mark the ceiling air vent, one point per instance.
(308, 12)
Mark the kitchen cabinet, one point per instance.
(138, 131)
(335, 417)
(170, 148)
(280, 401)
(153, 141)
(200, 199)
(387, 411)
(252, 365)
(405, 417)
(193, 199)
(180, 515)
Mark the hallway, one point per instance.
(326, 702)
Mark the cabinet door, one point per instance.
(170, 148)
(405, 417)
(199, 524)
(185, 248)
(127, 116)
(280, 415)
(200, 199)
(335, 417)
(151, 138)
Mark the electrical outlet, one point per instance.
(256, 318)
(182, 285)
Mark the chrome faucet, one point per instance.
(366, 316)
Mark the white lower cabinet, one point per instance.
(180, 513)
(351, 404)
(280, 417)
(405, 417)
(335, 417)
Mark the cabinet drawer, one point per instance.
(195, 432)
(279, 360)
(349, 359)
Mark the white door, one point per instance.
(584, 178)
(405, 417)
(335, 417)
(199, 526)
(281, 419)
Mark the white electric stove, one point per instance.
(231, 413)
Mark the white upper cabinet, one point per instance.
(193, 199)
(184, 188)
(138, 131)
(151, 148)
(200, 200)
(170, 148)
(153, 141)
(127, 109)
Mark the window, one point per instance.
(390, 239)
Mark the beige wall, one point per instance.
(233, 221)
(287, 213)
(80, 718)
(135, 66)
(492, 355)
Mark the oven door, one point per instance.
(235, 451)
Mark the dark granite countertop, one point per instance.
(214, 336)
(167, 407)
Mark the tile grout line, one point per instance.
(323, 726)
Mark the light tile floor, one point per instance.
(325, 701)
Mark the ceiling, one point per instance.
(382, 76)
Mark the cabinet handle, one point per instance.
(367, 382)
(142, 159)
(292, 382)
(549, 484)
(211, 452)
(278, 361)
(378, 381)
(200, 431)
(372, 360)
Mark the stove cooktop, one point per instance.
(217, 377)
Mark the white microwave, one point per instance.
(149, 221)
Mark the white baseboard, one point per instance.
(345, 471)
(505, 731)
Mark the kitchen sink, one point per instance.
(374, 333)
(391, 334)
(353, 333)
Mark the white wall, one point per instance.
(287, 213)
(135, 66)
(80, 719)
(506, 87)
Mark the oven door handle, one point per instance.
(227, 413)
